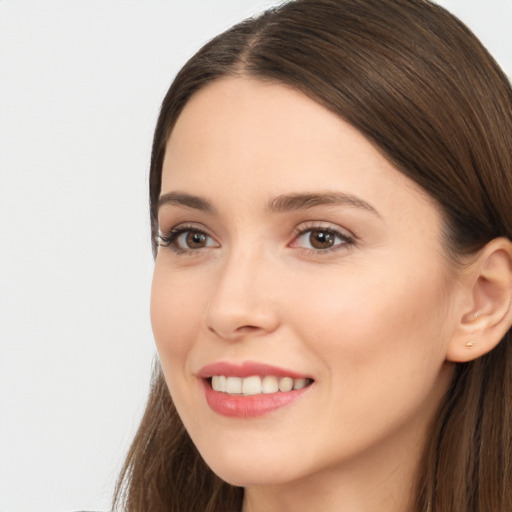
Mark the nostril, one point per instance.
(247, 328)
(235, 333)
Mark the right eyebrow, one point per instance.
(186, 200)
(304, 201)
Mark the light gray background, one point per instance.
(80, 87)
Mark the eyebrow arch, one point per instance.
(291, 202)
(186, 200)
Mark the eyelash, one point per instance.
(346, 240)
(170, 239)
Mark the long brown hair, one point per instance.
(419, 85)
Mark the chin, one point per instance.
(240, 476)
(245, 470)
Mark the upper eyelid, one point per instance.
(190, 225)
(170, 240)
(297, 231)
(337, 233)
(299, 228)
(183, 227)
(328, 226)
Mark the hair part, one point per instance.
(425, 92)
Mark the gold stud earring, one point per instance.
(470, 344)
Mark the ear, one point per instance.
(488, 312)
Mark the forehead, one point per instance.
(257, 136)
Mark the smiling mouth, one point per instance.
(256, 385)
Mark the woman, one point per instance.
(330, 212)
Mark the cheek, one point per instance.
(378, 343)
(376, 327)
(176, 315)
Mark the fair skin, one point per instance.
(352, 290)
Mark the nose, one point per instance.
(243, 302)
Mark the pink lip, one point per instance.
(246, 369)
(237, 406)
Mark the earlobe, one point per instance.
(483, 326)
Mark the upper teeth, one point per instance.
(256, 385)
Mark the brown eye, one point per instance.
(321, 239)
(195, 240)
(187, 240)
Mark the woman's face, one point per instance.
(293, 250)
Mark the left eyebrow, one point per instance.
(291, 202)
(185, 200)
